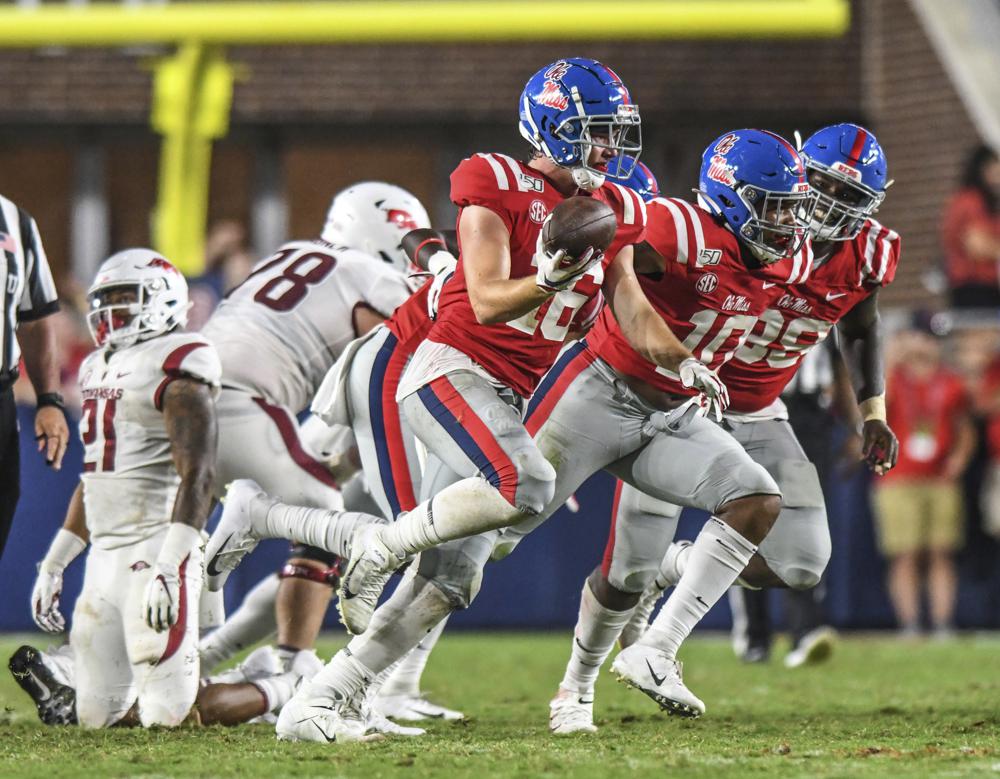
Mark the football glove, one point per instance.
(696, 375)
(65, 548)
(557, 271)
(162, 600)
(442, 265)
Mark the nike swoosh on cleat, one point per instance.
(211, 568)
(657, 679)
(46, 692)
(585, 701)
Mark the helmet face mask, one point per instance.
(779, 223)
(842, 205)
(575, 106)
(137, 295)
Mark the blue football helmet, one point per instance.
(847, 172)
(574, 105)
(756, 182)
(642, 179)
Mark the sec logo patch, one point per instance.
(537, 211)
(707, 283)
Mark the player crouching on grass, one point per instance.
(149, 433)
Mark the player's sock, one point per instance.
(329, 530)
(340, 679)
(400, 623)
(253, 621)
(278, 689)
(718, 555)
(597, 629)
(465, 508)
(405, 678)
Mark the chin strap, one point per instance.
(587, 180)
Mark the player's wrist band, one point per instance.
(873, 408)
(64, 549)
(51, 399)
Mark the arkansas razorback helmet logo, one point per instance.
(402, 219)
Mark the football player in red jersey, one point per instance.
(503, 318)
(853, 257)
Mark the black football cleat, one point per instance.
(56, 703)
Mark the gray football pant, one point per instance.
(797, 548)
(584, 418)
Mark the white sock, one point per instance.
(252, 622)
(400, 623)
(597, 629)
(329, 530)
(278, 689)
(405, 679)
(465, 508)
(718, 555)
(342, 677)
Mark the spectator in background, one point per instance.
(919, 503)
(227, 262)
(989, 407)
(971, 234)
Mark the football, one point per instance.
(578, 223)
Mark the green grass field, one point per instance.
(878, 708)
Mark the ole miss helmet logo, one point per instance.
(552, 97)
(720, 170)
(726, 144)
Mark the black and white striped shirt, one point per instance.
(28, 290)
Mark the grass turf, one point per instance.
(878, 708)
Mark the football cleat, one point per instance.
(814, 647)
(650, 671)
(369, 568)
(413, 708)
(571, 712)
(262, 663)
(379, 723)
(56, 703)
(323, 721)
(234, 538)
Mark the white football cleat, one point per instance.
(413, 708)
(378, 723)
(815, 647)
(369, 568)
(652, 672)
(261, 663)
(234, 537)
(322, 721)
(571, 712)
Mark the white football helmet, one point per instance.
(372, 217)
(158, 303)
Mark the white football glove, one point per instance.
(161, 603)
(442, 265)
(696, 375)
(556, 271)
(65, 548)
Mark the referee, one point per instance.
(29, 298)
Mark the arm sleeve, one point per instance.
(39, 298)
(475, 182)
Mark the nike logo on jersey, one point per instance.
(212, 567)
(768, 284)
(657, 680)
(122, 373)
(832, 296)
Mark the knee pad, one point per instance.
(314, 553)
(456, 568)
(536, 481)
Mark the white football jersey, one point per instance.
(279, 332)
(129, 478)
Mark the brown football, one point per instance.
(577, 223)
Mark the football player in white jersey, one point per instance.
(149, 432)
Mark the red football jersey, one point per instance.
(804, 314)
(707, 294)
(410, 322)
(519, 352)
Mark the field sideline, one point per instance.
(879, 708)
